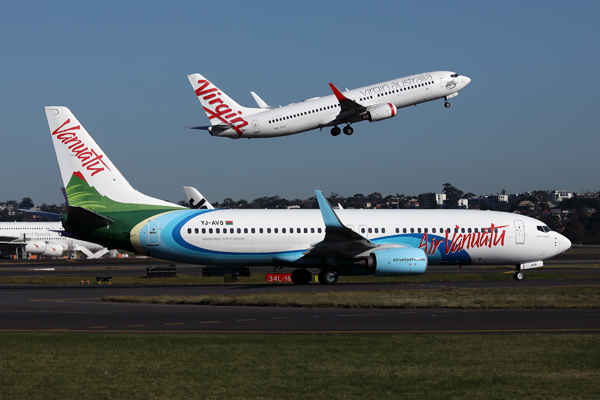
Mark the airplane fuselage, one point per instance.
(281, 237)
(33, 233)
(325, 111)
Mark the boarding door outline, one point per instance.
(153, 233)
(519, 232)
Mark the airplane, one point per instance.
(105, 208)
(369, 103)
(44, 239)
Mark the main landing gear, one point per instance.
(348, 130)
(301, 277)
(328, 277)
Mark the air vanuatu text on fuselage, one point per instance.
(396, 84)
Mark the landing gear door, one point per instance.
(153, 233)
(519, 232)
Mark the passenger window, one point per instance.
(403, 230)
(203, 230)
(418, 230)
(196, 230)
(376, 230)
(260, 230)
(297, 230)
(476, 230)
(190, 229)
(432, 230)
(276, 230)
(239, 230)
(217, 230)
(469, 230)
(412, 230)
(397, 230)
(282, 230)
(362, 230)
(291, 230)
(425, 230)
(319, 230)
(268, 230)
(210, 230)
(382, 230)
(370, 230)
(312, 230)
(462, 230)
(305, 230)
(246, 230)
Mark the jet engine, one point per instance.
(41, 248)
(398, 261)
(380, 111)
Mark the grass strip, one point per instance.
(523, 298)
(178, 366)
(260, 279)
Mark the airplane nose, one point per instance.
(466, 80)
(564, 243)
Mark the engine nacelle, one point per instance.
(41, 248)
(380, 111)
(399, 261)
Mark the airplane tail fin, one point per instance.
(220, 108)
(92, 181)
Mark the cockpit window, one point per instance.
(543, 228)
(454, 76)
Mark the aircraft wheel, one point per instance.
(300, 277)
(335, 131)
(518, 275)
(328, 277)
(447, 105)
(348, 130)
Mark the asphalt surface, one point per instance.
(76, 308)
(67, 308)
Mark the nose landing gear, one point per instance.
(447, 104)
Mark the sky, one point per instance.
(529, 120)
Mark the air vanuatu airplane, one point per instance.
(104, 208)
(369, 103)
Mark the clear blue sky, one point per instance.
(529, 120)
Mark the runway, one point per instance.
(67, 308)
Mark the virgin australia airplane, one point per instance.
(369, 103)
(44, 239)
(104, 208)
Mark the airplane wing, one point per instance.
(340, 240)
(350, 111)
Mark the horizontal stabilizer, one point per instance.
(260, 102)
(84, 217)
(45, 214)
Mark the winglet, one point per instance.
(330, 218)
(260, 102)
(337, 93)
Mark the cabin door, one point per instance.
(519, 232)
(153, 233)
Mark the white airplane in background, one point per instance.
(105, 208)
(369, 103)
(44, 239)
